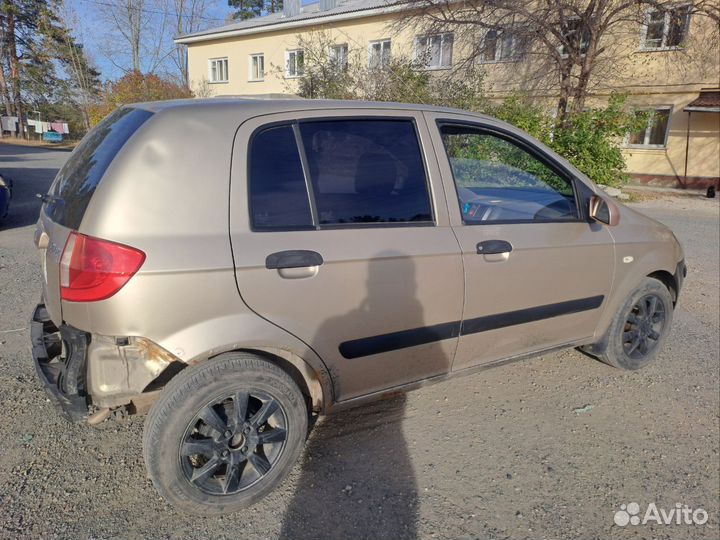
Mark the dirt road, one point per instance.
(500, 454)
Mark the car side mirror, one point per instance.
(604, 211)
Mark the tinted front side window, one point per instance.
(497, 180)
(366, 171)
(80, 176)
(278, 194)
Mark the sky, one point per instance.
(90, 22)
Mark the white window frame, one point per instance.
(214, 62)
(298, 72)
(252, 59)
(648, 129)
(333, 55)
(516, 55)
(561, 48)
(666, 28)
(421, 52)
(381, 42)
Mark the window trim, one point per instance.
(648, 128)
(498, 47)
(666, 28)
(417, 51)
(227, 74)
(546, 159)
(370, 50)
(333, 59)
(287, 63)
(251, 57)
(309, 187)
(561, 47)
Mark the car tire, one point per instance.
(639, 329)
(224, 433)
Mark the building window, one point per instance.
(655, 133)
(576, 35)
(502, 46)
(338, 55)
(257, 67)
(666, 28)
(435, 51)
(294, 63)
(218, 68)
(379, 54)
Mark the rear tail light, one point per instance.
(92, 269)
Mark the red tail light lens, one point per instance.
(92, 269)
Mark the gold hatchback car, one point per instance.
(236, 266)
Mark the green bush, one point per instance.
(590, 140)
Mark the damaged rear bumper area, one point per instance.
(81, 370)
(60, 356)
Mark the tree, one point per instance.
(247, 9)
(81, 85)
(568, 45)
(189, 17)
(401, 79)
(26, 28)
(138, 37)
(133, 88)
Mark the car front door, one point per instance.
(340, 235)
(537, 271)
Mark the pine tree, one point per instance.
(247, 9)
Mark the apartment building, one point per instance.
(680, 147)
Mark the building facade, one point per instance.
(680, 146)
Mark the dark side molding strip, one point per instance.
(358, 348)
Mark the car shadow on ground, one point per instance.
(357, 478)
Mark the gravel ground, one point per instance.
(499, 454)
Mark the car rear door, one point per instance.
(359, 261)
(537, 272)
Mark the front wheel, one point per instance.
(224, 434)
(639, 329)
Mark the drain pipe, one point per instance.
(687, 148)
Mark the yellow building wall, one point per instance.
(356, 33)
(702, 145)
(650, 78)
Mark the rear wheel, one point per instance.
(639, 329)
(224, 434)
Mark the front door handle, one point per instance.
(294, 258)
(491, 247)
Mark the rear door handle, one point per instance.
(490, 247)
(294, 258)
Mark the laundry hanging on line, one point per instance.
(9, 123)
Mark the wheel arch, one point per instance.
(667, 279)
(305, 376)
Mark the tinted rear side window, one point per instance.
(366, 171)
(80, 176)
(278, 194)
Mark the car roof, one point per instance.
(258, 105)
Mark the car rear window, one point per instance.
(80, 176)
(278, 193)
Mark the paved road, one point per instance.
(499, 454)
